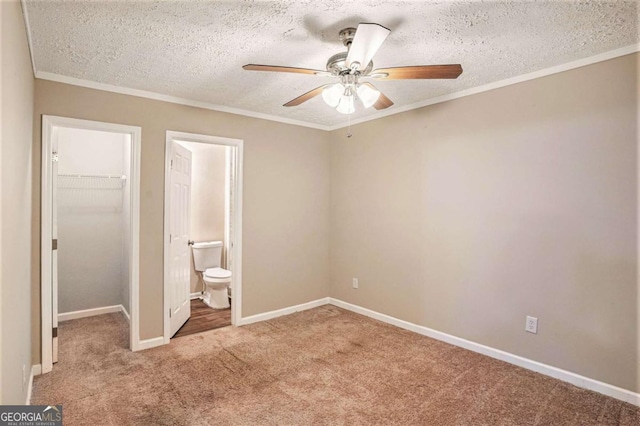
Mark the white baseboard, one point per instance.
(285, 311)
(150, 343)
(36, 370)
(547, 370)
(125, 314)
(88, 313)
(197, 295)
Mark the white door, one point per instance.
(54, 246)
(179, 249)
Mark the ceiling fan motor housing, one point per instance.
(337, 65)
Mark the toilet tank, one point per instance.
(207, 254)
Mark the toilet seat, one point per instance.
(217, 274)
(217, 283)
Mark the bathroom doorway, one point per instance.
(90, 220)
(202, 233)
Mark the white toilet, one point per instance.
(206, 257)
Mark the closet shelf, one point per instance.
(123, 177)
(66, 181)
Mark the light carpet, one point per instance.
(324, 366)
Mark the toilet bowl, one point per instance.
(217, 281)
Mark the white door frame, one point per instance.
(236, 271)
(49, 124)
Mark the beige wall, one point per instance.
(208, 167)
(467, 216)
(286, 193)
(16, 115)
(464, 216)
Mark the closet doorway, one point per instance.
(90, 226)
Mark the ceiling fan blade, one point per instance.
(418, 72)
(366, 42)
(383, 102)
(303, 98)
(276, 68)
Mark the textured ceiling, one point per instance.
(195, 49)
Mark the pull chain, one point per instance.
(349, 126)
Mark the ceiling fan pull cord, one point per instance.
(349, 126)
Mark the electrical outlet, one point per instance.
(355, 283)
(532, 325)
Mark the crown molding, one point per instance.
(612, 54)
(27, 25)
(172, 99)
(623, 51)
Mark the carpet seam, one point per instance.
(488, 394)
(546, 404)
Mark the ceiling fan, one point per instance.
(355, 64)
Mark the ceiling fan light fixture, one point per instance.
(362, 45)
(346, 105)
(332, 94)
(367, 95)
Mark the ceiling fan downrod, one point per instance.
(346, 36)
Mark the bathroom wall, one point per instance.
(90, 220)
(207, 197)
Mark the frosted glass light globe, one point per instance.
(367, 95)
(346, 105)
(332, 94)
